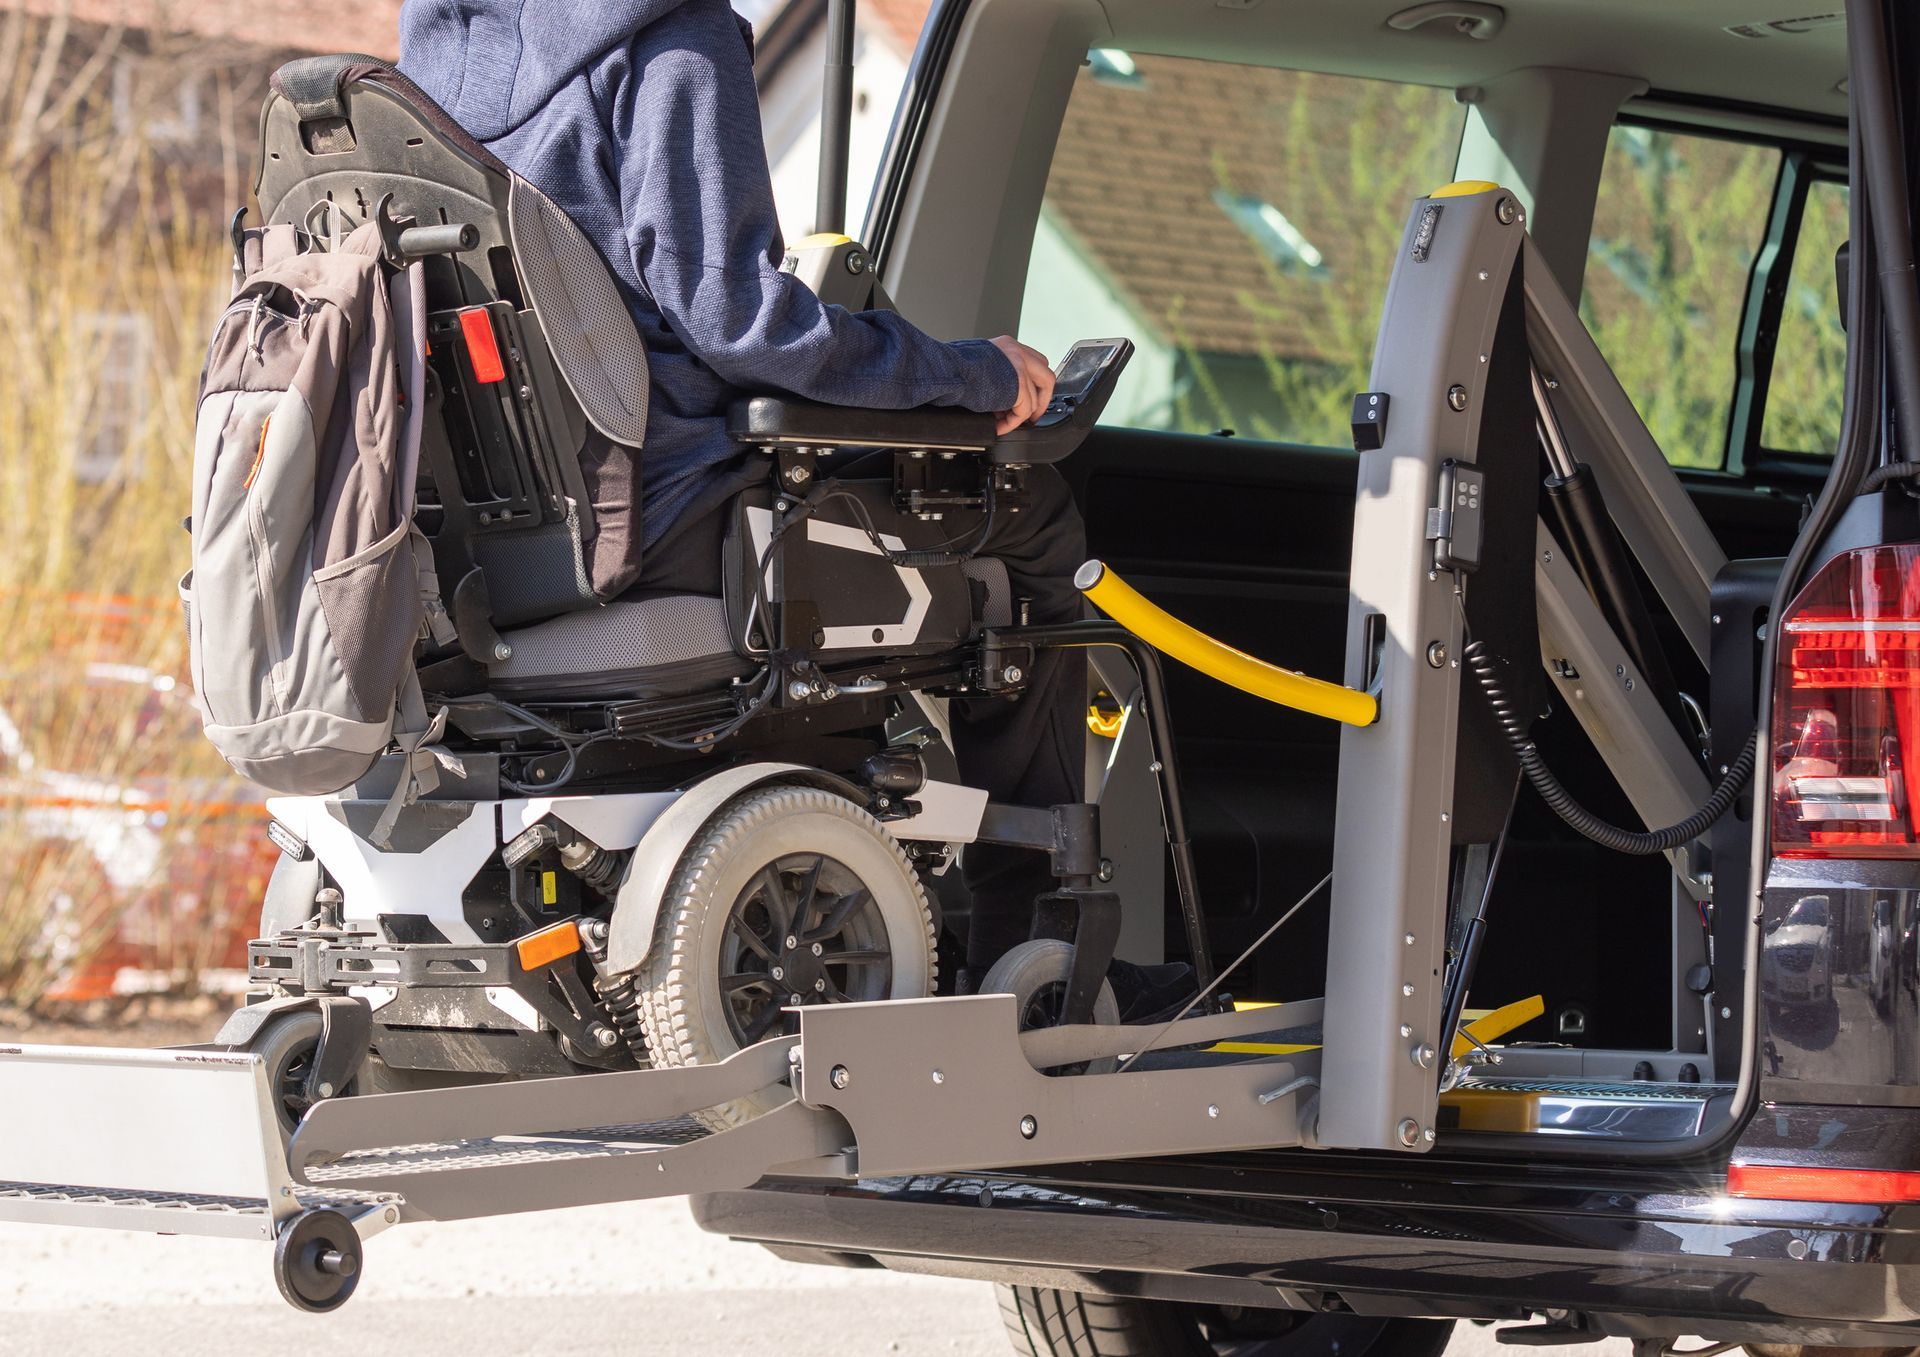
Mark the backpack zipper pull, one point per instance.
(254, 327)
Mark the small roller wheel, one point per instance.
(790, 896)
(1035, 973)
(316, 1261)
(288, 1045)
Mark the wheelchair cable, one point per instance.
(1215, 983)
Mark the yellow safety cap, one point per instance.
(1464, 188)
(824, 240)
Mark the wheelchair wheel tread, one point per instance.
(676, 1007)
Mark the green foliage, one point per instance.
(1679, 222)
(1676, 230)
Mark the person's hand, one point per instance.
(1036, 383)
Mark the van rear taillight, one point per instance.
(1846, 721)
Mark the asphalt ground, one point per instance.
(633, 1280)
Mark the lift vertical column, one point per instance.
(1395, 822)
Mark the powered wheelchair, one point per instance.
(666, 821)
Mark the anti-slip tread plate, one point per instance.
(601, 1142)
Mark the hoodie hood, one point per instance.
(505, 79)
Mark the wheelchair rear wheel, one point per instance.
(791, 896)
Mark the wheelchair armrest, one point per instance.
(780, 421)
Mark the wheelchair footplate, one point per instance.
(189, 1141)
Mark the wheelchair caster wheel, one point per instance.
(316, 1261)
(1035, 973)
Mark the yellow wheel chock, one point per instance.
(1169, 635)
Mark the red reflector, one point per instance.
(1821, 1185)
(482, 348)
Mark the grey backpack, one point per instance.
(310, 586)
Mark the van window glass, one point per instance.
(1239, 224)
(1678, 224)
(1810, 357)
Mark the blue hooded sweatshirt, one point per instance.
(641, 119)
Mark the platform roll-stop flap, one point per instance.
(138, 1139)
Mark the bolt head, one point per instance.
(1457, 397)
(1437, 654)
(503, 652)
(819, 987)
(792, 942)
(1015, 673)
(1213, 1109)
(1507, 211)
(1407, 990)
(939, 1076)
(325, 1090)
(1405, 1031)
(799, 475)
(1409, 1132)
(817, 949)
(1106, 869)
(1423, 1056)
(779, 972)
(1029, 1127)
(799, 690)
(840, 1077)
(1428, 1135)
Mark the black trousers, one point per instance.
(1025, 750)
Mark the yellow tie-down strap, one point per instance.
(1169, 635)
(1463, 1109)
(1487, 1029)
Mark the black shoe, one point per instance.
(1151, 993)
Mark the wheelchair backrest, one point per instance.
(538, 380)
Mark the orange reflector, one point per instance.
(547, 946)
(1777, 1183)
(477, 325)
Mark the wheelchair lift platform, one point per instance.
(878, 1089)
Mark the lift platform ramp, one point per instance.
(188, 1141)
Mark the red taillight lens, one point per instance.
(1847, 708)
(483, 349)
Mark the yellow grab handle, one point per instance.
(1168, 634)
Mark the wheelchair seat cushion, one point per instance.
(644, 647)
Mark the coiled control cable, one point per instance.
(1486, 668)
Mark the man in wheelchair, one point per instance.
(640, 120)
(741, 588)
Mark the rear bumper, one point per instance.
(1641, 1258)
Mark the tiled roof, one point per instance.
(1143, 167)
(281, 25)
